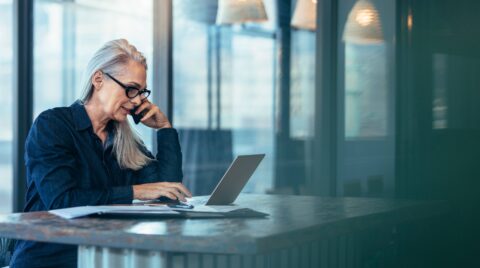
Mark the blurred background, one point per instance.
(367, 98)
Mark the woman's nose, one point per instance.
(137, 100)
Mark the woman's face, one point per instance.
(112, 97)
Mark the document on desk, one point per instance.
(76, 212)
(149, 210)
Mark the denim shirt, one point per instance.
(67, 166)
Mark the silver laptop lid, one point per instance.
(234, 179)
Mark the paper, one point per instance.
(75, 212)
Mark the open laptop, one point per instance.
(232, 182)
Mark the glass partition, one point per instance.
(6, 106)
(232, 95)
(366, 92)
(223, 100)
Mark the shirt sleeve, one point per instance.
(51, 164)
(167, 165)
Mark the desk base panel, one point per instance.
(344, 251)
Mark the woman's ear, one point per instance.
(97, 80)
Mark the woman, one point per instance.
(87, 154)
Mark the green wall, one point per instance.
(438, 122)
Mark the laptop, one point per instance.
(232, 182)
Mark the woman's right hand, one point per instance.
(172, 190)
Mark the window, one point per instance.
(224, 87)
(6, 106)
(365, 91)
(227, 100)
(302, 89)
(366, 112)
(68, 33)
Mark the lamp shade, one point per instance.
(363, 24)
(305, 15)
(202, 11)
(240, 11)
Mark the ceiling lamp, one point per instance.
(305, 15)
(240, 11)
(363, 24)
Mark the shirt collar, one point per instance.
(111, 135)
(80, 116)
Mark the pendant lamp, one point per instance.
(240, 11)
(305, 15)
(363, 25)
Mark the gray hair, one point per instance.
(112, 58)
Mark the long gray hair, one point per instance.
(112, 58)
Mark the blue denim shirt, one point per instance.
(67, 165)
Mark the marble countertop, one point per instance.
(292, 220)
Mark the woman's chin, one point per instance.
(121, 118)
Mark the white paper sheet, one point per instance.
(75, 212)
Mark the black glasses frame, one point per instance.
(135, 91)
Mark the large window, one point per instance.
(232, 96)
(366, 112)
(365, 91)
(245, 87)
(6, 106)
(223, 100)
(302, 86)
(67, 33)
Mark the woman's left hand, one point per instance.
(153, 116)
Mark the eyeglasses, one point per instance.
(131, 91)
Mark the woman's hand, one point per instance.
(153, 117)
(172, 190)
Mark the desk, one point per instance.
(301, 231)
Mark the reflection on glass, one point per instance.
(363, 24)
(68, 33)
(410, 19)
(440, 103)
(302, 71)
(366, 83)
(365, 91)
(455, 94)
(6, 106)
(302, 85)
